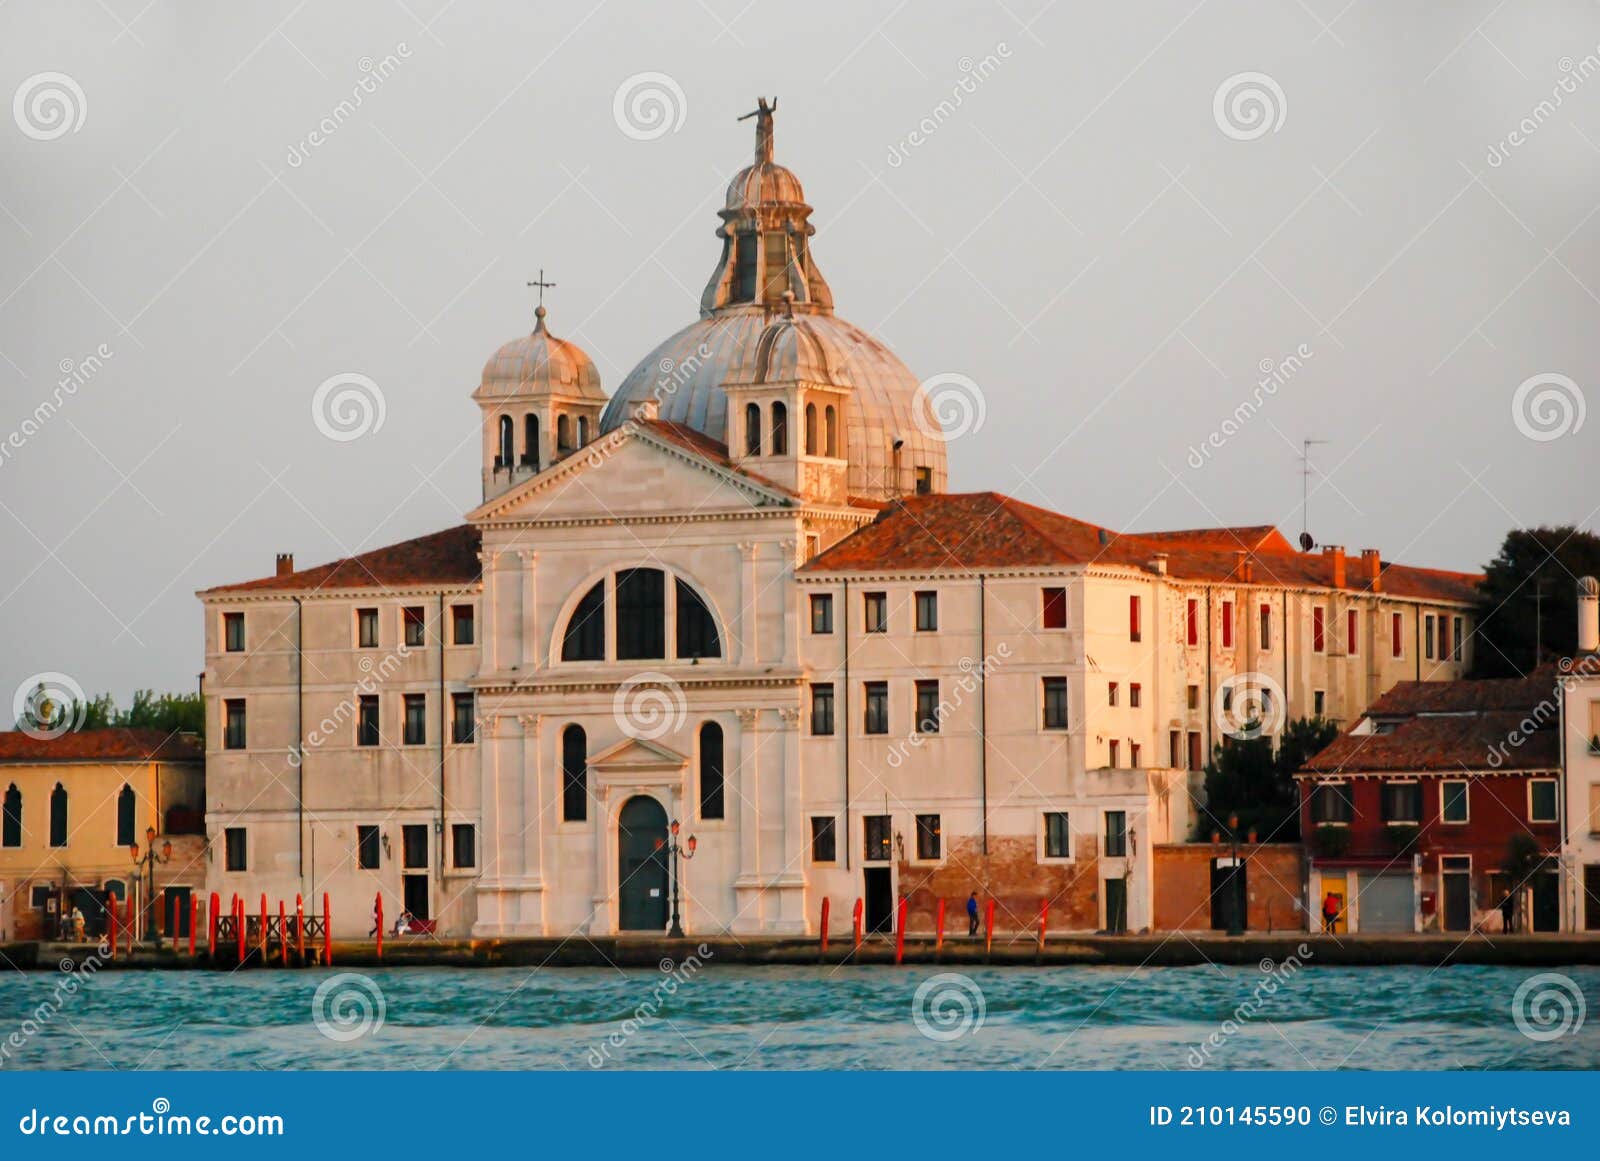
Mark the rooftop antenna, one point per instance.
(1306, 543)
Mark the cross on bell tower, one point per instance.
(539, 311)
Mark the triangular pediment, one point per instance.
(638, 754)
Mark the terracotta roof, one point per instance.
(984, 530)
(1462, 743)
(1251, 538)
(107, 745)
(441, 558)
(1509, 694)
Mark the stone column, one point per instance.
(530, 608)
(792, 918)
(789, 622)
(748, 606)
(600, 913)
(747, 885)
(491, 620)
(491, 899)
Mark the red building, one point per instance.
(1411, 815)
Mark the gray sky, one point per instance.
(1086, 238)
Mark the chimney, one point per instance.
(1242, 571)
(647, 409)
(1160, 564)
(285, 563)
(1588, 615)
(1372, 569)
(1335, 553)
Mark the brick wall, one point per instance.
(1012, 874)
(1274, 882)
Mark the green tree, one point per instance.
(173, 712)
(1527, 601)
(1250, 778)
(1523, 860)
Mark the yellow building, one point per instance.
(73, 807)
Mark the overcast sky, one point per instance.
(1098, 235)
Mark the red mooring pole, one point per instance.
(1044, 920)
(938, 923)
(377, 909)
(283, 934)
(826, 907)
(856, 923)
(988, 928)
(238, 926)
(194, 921)
(212, 907)
(263, 929)
(327, 932)
(900, 933)
(300, 928)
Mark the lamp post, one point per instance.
(677, 851)
(1235, 881)
(147, 862)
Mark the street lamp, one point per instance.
(677, 851)
(1235, 881)
(147, 862)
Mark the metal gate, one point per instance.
(1387, 903)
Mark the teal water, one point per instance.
(804, 1018)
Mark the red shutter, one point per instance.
(1351, 629)
(1318, 640)
(1194, 622)
(1227, 624)
(1394, 634)
(1133, 618)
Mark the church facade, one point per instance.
(734, 600)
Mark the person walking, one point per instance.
(972, 915)
(1330, 912)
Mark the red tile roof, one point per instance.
(1251, 538)
(986, 530)
(448, 558)
(107, 745)
(1472, 742)
(1509, 694)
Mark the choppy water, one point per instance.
(802, 1018)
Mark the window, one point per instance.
(1135, 692)
(415, 624)
(1396, 636)
(875, 612)
(233, 843)
(583, 430)
(824, 846)
(927, 836)
(927, 612)
(1135, 628)
(367, 720)
(1055, 703)
(876, 827)
(126, 806)
(1111, 693)
(367, 628)
(416, 719)
(1227, 624)
(1174, 748)
(1055, 608)
(463, 724)
(830, 428)
(1057, 835)
(1227, 699)
(414, 846)
(502, 457)
(822, 613)
(574, 774)
(1455, 639)
(752, 429)
(697, 630)
(11, 828)
(877, 708)
(1330, 803)
(927, 719)
(1352, 632)
(463, 846)
(1113, 753)
(41, 896)
(924, 481)
(1402, 802)
(1135, 755)
(811, 429)
(1116, 834)
(641, 614)
(1319, 702)
(780, 429)
(530, 441)
(1196, 759)
(822, 710)
(1453, 801)
(1191, 622)
(461, 624)
(1427, 637)
(233, 732)
(1319, 632)
(563, 433)
(585, 636)
(1542, 800)
(711, 771)
(1266, 626)
(1192, 697)
(233, 632)
(367, 848)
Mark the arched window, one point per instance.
(752, 429)
(697, 630)
(641, 614)
(583, 431)
(831, 423)
(58, 816)
(585, 638)
(11, 829)
(530, 441)
(563, 433)
(744, 268)
(507, 443)
(811, 429)
(780, 430)
(711, 770)
(574, 774)
(125, 820)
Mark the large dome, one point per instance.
(767, 281)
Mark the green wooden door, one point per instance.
(641, 869)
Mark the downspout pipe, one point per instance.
(844, 720)
(444, 724)
(983, 707)
(300, 743)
